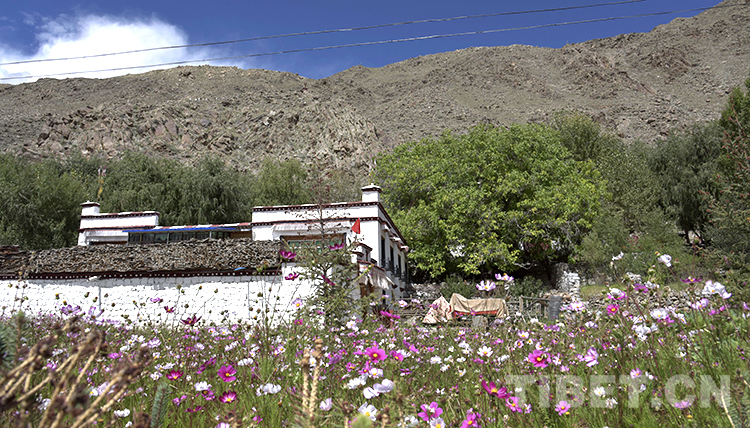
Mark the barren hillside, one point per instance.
(640, 85)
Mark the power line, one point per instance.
(309, 33)
(377, 42)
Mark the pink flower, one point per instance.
(472, 420)
(493, 390)
(174, 374)
(192, 320)
(375, 353)
(512, 403)
(562, 408)
(613, 309)
(228, 397)
(591, 358)
(538, 358)
(397, 356)
(226, 373)
(430, 411)
(292, 276)
(288, 255)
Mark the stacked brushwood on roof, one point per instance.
(12, 259)
(194, 255)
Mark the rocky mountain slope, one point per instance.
(640, 85)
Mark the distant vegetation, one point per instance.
(41, 200)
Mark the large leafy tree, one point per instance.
(730, 231)
(492, 199)
(686, 165)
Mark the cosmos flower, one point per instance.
(192, 320)
(503, 277)
(292, 276)
(486, 286)
(512, 404)
(613, 309)
(591, 358)
(430, 411)
(326, 405)
(228, 397)
(562, 408)
(375, 354)
(226, 373)
(287, 255)
(368, 410)
(168, 309)
(538, 358)
(494, 391)
(472, 419)
(174, 374)
(666, 259)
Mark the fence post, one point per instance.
(555, 302)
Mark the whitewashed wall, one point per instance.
(217, 299)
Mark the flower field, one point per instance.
(630, 365)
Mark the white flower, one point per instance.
(202, 386)
(155, 375)
(436, 360)
(369, 393)
(659, 314)
(245, 362)
(599, 391)
(484, 351)
(270, 388)
(369, 411)
(411, 421)
(355, 383)
(375, 372)
(326, 405)
(617, 257)
(385, 386)
(122, 413)
(666, 259)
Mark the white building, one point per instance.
(381, 246)
(110, 228)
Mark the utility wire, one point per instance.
(377, 42)
(338, 30)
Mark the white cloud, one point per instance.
(66, 37)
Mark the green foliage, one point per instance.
(686, 165)
(730, 230)
(527, 286)
(207, 192)
(489, 200)
(8, 340)
(39, 204)
(160, 406)
(456, 284)
(281, 183)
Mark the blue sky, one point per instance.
(44, 29)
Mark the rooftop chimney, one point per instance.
(371, 193)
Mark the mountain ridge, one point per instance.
(639, 85)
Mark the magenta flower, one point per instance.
(337, 246)
(538, 358)
(288, 255)
(192, 320)
(493, 390)
(613, 309)
(174, 374)
(397, 356)
(562, 408)
(512, 403)
(430, 411)
(299, 321)
(168, 309)
(472, 420)
(684, 404)
(194, 409)
(591, 358)
(375, 353)
(292, 276)
(211, 361)
(228, 397)
(226, 373)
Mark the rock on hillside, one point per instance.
(641, 85)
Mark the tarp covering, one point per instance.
(440, 311)
(464, 306)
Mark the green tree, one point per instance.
(281, 183)
(493, 199)
(730, 230)
(207, 192)
(685, 165)
(39, 204)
